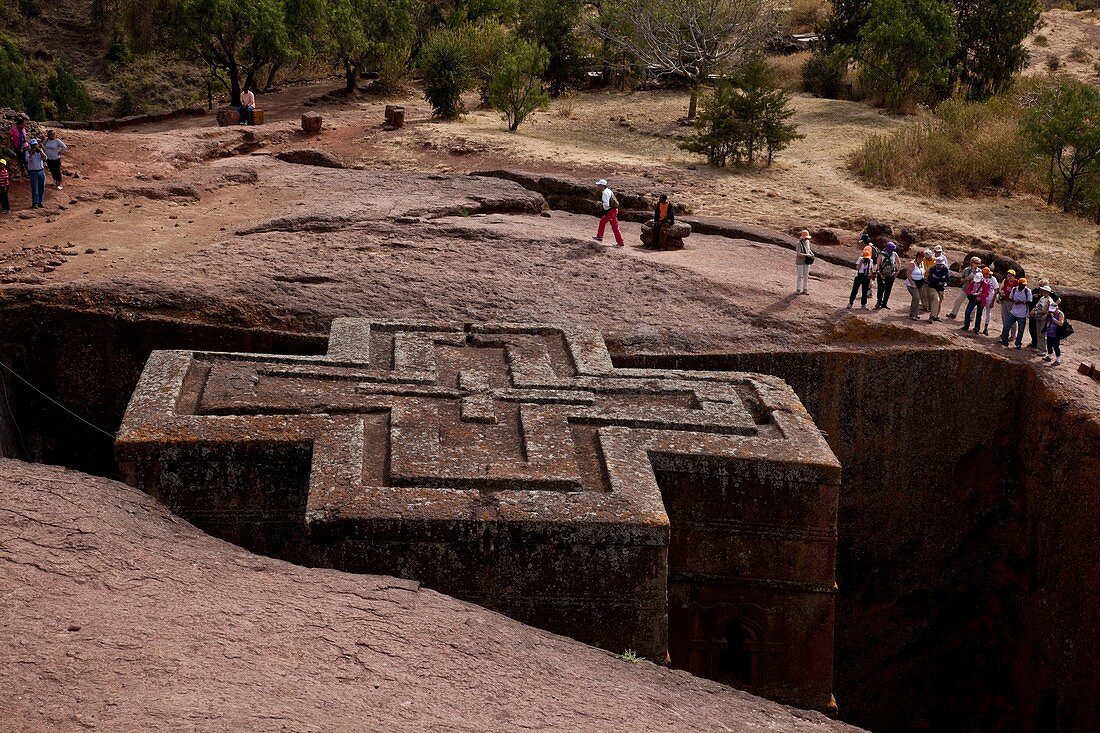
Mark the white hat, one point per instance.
(941, 260)
(1053, 306)
(1045, 288)
(601, 182)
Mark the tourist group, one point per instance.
(1035, 310)
(33, 157)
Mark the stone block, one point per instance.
(311, 122)
(395, 116)
(228, 116)
(672, 239)
(680, 514)
(257, 116)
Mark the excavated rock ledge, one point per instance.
(122, 617)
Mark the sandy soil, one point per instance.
(1061, 32)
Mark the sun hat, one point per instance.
(1022, 280)
(601, 182)
(938, 248)
(867, 251)
(3, 162)
(986, 271)
(927, 252)
(1045, 288)
(891, 246)
(1011, 272)
(33, 141)
(803, 234)
(976, 277)
(1053, 306)
(941, 259)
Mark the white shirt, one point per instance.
(54, 148)
(606, 200)
(248, 99)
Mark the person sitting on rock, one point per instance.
(610, 206)
(664, 216)
(248, 105)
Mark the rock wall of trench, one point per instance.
(966, 561)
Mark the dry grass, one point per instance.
(788, 69)
(806, 15)
(964, 149)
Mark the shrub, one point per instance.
(517, 88)
(485, 44)
(69, 95)
(447, 73)
(966, 148)
(1079, 54)
(1041, 40)
(788, 69)
(118, 50)
(30, 8)
(553, 24)
(20, 89)
(393, 69)
(1061, 127)
(823, 74)
(805, 15)
(744, 119)
(1054, 63)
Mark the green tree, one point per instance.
(236, 39)
(990, 52)
(1063, 127)
(744, 119)
(447, 74)
(19, 87)
(362, 32)
(904, 50)
(70, 97)
(517, 88)
(553, 24)
(485, 43)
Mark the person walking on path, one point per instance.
(865, 264)
(19, 142)
(54, 147)
(990, 298)
(5, 183)
(803, 258)
(1037, 315)
(248, 105)
(914, 283)
(1018, 300)
(937, 283)
(36, 170)
(610, 206)
(886, 270)
(664, 216)
(1054, 321)
(1006, 303)
(964, 277)
(977, 290)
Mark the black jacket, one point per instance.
(671, 218)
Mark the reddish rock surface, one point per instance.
(121, 617)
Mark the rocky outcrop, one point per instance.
(122, 617)
(671, 238)
(637, 197)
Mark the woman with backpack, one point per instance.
(1056, 330)
(937, 283)
(977, 291)
(887, 270)
(990, 281)
(914, 283)
(865, 264)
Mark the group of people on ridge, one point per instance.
(34, 158)
(927, 276)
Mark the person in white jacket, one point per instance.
(54, 147)
(609, 205)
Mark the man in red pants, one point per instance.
(610, 206)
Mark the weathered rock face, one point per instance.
(514, 467)
(121, 616)
(227, 116)
(961, 542)
(637, 197)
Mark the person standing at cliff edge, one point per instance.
(864, 265)
(610, 206)
(803, 258)
(886, 271)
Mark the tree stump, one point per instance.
(395, 117)
(228, 116)
(257, 116)
(311, 122)
(674, 236)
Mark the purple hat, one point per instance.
(891, 246)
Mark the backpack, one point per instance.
(1065, 330)
(613, 203)
(938, 281)
(887, 268)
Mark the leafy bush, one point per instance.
(1079, 54)
(485, 44)
(823, 74)
(118, 50)
(1041, 40)
(20, 89)
(1061, 127)
(447, 73)
(517, 88)
(69, 95)
(967, 148)
(30, 8)
(553, 24)
(1054, 63)
(744, 119)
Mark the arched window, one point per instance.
(735, 662)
